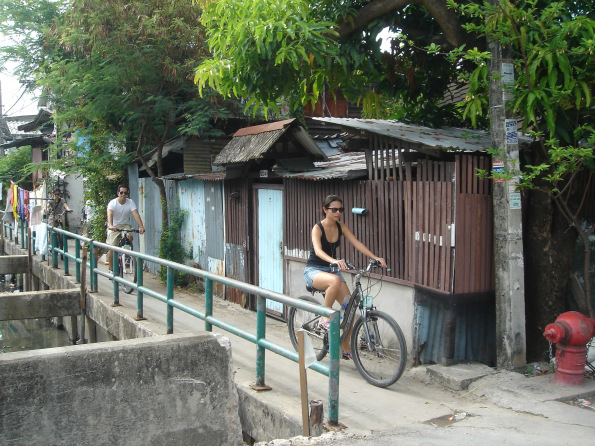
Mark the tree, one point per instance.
(23, 24)
(126, 75)
(12, 166)
(552, 46)
(287, 51)
(334, 43)
(120, 77)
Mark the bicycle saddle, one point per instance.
(311, 289)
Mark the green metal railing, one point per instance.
(259, 338)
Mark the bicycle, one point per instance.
(377, 343)
(126, 263)
(59, 219)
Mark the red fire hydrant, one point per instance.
(571, 332)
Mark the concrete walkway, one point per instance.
(429, 405)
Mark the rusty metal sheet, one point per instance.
(235, 268)
(191, 199)
(444, 138)
(343, 166)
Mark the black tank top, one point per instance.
(327, 247)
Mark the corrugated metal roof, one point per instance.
(344, 166)
(444, 138)
(263, 128)
(253, 143)
(208, 176)
(43, 117)
(14, 122)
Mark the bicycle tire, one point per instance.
(127, 271)
(381, 358)
(297, 319)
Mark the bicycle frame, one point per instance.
(356, 300)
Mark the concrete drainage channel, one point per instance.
(174, 389)
(147, 389)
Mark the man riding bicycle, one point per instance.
(118, 217)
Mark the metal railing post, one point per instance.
(93, 265)
(334, 364)
(116, 273)
(208, 303)
(170, 295)
(54, 252)
(77, 255)
(261, 322)
(64, 256)
(139, 293)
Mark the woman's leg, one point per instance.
(331, 284)
(336, 290)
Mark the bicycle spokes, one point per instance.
(378, 348)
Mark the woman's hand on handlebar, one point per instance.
(381, 261)
(341, 264)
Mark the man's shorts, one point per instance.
(113, 237)
(311, 271)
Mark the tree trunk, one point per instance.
(549, 244)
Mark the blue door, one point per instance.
(270, 244)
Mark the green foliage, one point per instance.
(170, 245)
(23, 24)
(263, 52)
(285, 52)
(12, 167)
(554, 61)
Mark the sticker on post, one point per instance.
(498, 169)
(512, 135)
(515, 200)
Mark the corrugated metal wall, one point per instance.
(202, 231)
(194, 238)
(149, 205)
(447, 332)
(238, 227)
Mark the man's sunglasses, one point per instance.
(335, 210)
(123, 193)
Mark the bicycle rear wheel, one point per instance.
(380, 353)
(127, 272)
(298, 319)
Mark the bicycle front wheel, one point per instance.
(379, 349)
(299, 319)
(127, 272)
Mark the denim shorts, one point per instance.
(311, 271)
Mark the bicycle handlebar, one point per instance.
(127, 230)
(373, 263)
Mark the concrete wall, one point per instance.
(75, 200)
(175, 389)
(396, 300)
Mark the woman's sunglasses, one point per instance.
(335, 210)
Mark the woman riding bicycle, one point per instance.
(326, 236)
(56, 208)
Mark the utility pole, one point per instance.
(511, 346)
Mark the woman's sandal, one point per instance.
(324, 324)
(346, 355)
